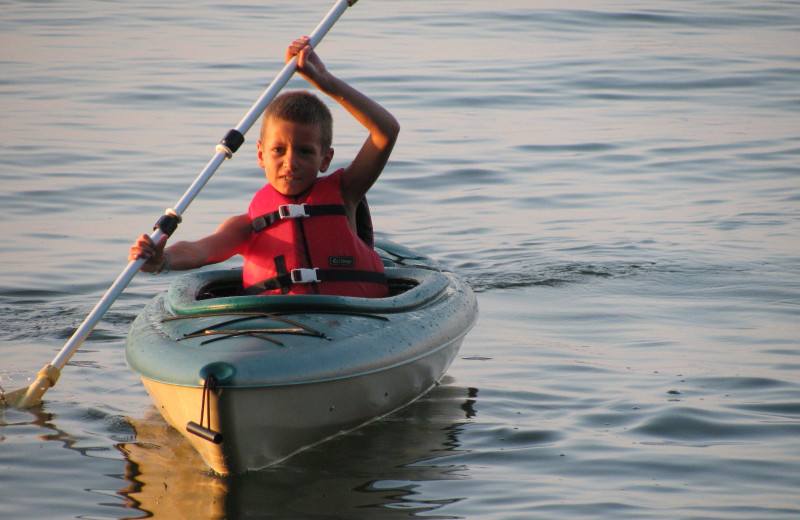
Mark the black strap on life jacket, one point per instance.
(363, 218)
(287, 211)
(280, 269)
(296, 276)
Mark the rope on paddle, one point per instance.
(205, 432)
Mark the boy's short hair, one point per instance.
(301, 106)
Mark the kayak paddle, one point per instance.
(166, 225)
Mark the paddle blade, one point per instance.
(31, 395)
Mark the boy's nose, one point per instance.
(289, 160)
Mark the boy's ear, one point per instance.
(260, 152)
(326, 161)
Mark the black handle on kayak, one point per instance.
(203, 432)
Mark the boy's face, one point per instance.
(292, 155)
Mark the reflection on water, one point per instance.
(376, 467)
(44, 449)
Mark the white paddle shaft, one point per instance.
(83, 331)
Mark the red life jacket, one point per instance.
(305, 245)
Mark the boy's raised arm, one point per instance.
(383, 128)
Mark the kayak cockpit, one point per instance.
(217, 292)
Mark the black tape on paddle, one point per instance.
(168, 224)
(232, 140)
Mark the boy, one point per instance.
(281, 240)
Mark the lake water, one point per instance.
(618, 180)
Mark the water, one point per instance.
(618, 181)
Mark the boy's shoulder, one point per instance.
(335, 177)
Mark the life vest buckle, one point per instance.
(304, 275)
(292, 211)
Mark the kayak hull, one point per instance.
(264, 425)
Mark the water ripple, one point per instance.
(553, 276)
(698, 425)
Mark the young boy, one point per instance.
(281, 239)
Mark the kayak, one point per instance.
(252, 380)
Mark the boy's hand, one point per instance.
(144, 248)
(309, 65)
